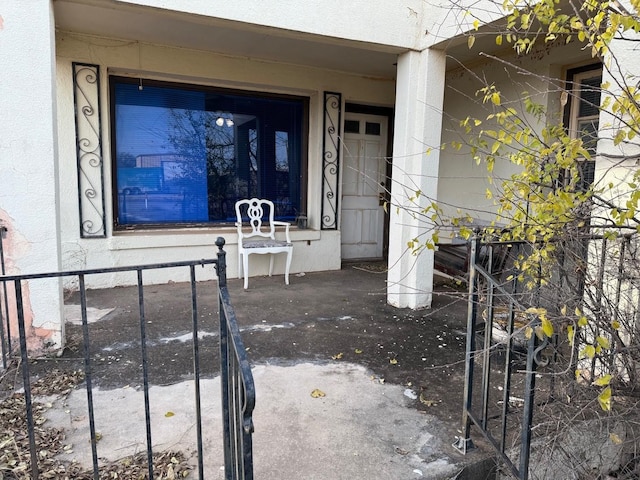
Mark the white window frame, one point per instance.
(574, 119)
(575, 99)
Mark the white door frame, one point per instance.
(359, 210)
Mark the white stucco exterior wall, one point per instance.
(463, 184)
(373, 21)
(616, 164)
(418, 123)
(28, 162)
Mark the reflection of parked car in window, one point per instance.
(135, 181)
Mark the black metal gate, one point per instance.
(501, 360)
(238, 392)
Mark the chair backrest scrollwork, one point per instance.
(256, 211)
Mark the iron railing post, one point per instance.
(196, 367)
(464, 442)
(237, 387)
(88, 376)
(221, 265)
(488, 337)
(5, 324)
(35, 472)
(221, 271)
(224, 384)
(527, 416)
(506, 386)
(145, 372)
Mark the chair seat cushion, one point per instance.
(265, 243)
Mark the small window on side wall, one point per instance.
(584, 87)
(184, 154)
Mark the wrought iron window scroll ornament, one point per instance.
(86, 96)
(331, 160)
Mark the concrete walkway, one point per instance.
(391, 379)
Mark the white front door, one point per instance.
(363, 186)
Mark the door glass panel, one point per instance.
(352, 126)
(372, 128)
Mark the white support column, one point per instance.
(29, 163)
(418, 126)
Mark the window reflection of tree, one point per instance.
(229, 157)
(225, 156)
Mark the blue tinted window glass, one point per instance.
(184, 155)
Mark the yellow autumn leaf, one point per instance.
(358, 350)
(471, 40)
(317, 393)
(570, 334)
(615, 438)
(588, 351)
(337, 356)
(169, 414)
(547, 326)
(603, 381)
(603, 342)
(582, 322)
(528, 332)
(536, 311)
(393, 361)
(615, 325)
(563, 310)
(605, 399)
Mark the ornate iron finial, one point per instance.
(221, 265)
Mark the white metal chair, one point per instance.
(262, 237)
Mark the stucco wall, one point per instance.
(314, 249)
(616, 164)
(463, 184)
(28, 163)
(371, 21)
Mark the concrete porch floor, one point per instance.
(392, 378)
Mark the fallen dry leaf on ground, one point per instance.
(317, 393)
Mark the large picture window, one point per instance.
(183, 155)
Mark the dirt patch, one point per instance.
(51, 441)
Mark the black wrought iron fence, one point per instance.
(512, 372)
(487, 401)
(238, 392)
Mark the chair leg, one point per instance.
(245, 260)
(240, 255)
(286, 268)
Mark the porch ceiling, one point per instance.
(109, 19)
